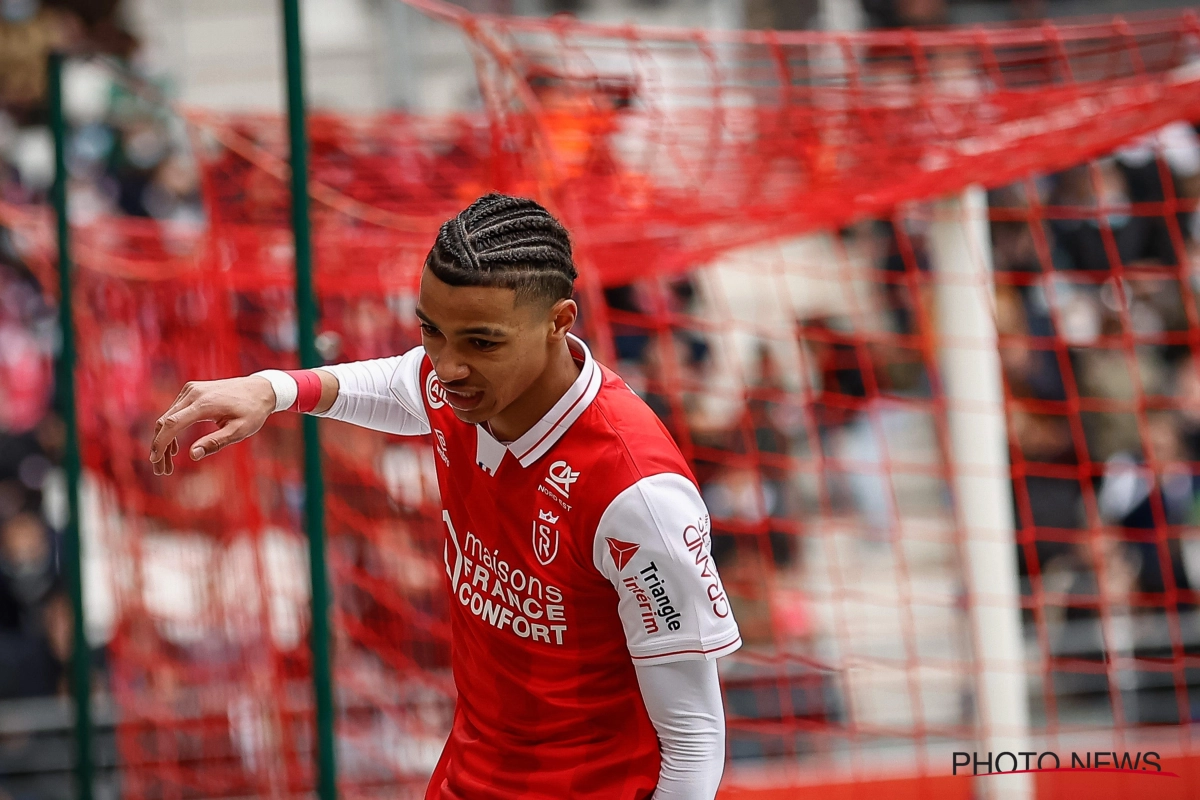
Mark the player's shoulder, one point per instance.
(622, 439)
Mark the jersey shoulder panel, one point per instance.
(616, 442)
(638, 444)
(653, 544)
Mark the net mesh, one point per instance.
(763, 262)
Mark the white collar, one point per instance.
(546, 432)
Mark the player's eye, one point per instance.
(484, 344)
(428, 329)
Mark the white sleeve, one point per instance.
(383, 394)
(653, 544)
(683, 699)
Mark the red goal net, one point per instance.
(879, 390)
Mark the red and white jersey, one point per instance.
(571, 554)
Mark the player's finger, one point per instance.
(186, 397)
(157, 439)
(176, 404)
(228, 434)
(172, 423)
(164, 465)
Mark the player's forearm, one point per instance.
(363, 397)
(683, 699)
(287, 390)
(358, 392)
(309, 391)
(329, 390)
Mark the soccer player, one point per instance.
(586, 610)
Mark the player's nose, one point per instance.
(450, 369)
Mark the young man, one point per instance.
(586, 612)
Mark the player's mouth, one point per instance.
(463, 399)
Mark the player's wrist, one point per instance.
(295, 390)
(286, 387)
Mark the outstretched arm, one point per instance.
(383, 394)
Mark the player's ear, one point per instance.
(562, 317)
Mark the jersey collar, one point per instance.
(546, 432)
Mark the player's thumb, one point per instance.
(207, 445)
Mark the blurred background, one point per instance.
(794, 363)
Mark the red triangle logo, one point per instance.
(621, 552)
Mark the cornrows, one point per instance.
(509, 242)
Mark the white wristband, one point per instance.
(285, 387)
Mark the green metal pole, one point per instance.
(81, 685)
(314, 495)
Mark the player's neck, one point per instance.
(521, 415)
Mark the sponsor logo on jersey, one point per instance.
(441, 446)
(503, 595)
(649, 620)
(621, 552)
(545, 538)
(553, 496)
(434, 391)
(654, 602)
(561, 477)
(698, 540)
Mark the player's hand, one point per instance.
(239, 406)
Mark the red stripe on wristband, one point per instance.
(308, 394)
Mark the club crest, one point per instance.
(545, 538)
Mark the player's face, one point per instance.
(487, 349)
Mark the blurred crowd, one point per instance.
(119, 163)
(1096, 308)
(1105, 417)
(31, 438)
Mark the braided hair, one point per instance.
(507, 242)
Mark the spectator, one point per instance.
(1177, 147)
(851, 432)
(31, 657)
(1102, 188)
(1141, 501)
(27, 571)
(26, 368)
(766, 419)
